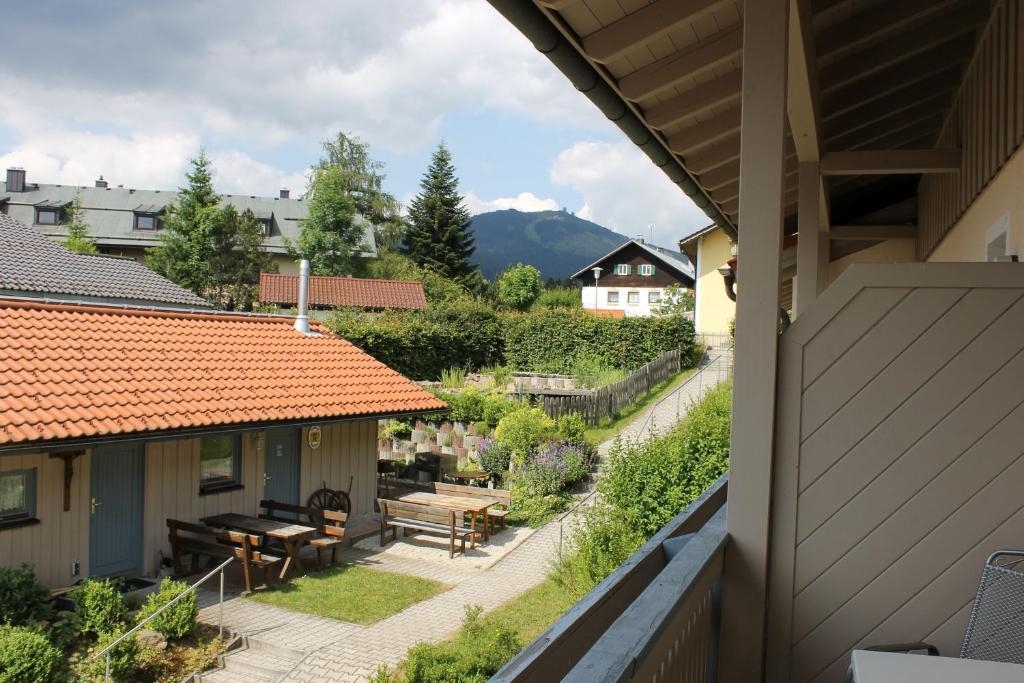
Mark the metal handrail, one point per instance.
(190, 589)
(697, 376)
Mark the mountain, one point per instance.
(555, 242)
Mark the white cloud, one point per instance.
(237, 172)
(624, 191)
(524, 201)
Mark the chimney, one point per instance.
(16, 179)
(302, 319)
(640, 239)
(100, 182)
(285, 193)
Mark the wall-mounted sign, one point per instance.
(314, 437)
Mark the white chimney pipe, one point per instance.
(302, 319)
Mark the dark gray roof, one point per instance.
(110, 213)
(33, 265)
(672, 259)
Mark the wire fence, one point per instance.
(715, 367)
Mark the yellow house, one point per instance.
(709, 250)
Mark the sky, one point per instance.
(131, 91)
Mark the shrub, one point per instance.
(523, 430)
(496, 408)
(476, 653)
(552, 468)
(178, 620)
(559, 297)
(519, 286)
(26, 655)
(652, 482)
(396, 429)
(534, 511)
(100, 606)
(23, 600)
(572, 428)
(600, 541)
(592, 372)
(123, 658)
(548, 340)
(453, 378)
(494, 458)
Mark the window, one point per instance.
(147, 221)
(654, 297)
(613, 297)
(47, 217)
(219, 462)
(633, 298)
(622, 269)
(17, 495)
(645, 269)
(267, 224)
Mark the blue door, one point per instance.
(281, 465)
(115, 522)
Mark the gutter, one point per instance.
(536, 26)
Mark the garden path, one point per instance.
(290, 646)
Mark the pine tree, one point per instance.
(185, 250)
(78, 230)
(237, 257)
(439, 237)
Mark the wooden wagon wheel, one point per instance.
(327, 499)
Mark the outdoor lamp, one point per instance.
(597, 274)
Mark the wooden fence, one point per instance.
(595, 406)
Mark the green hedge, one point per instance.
(420, 345)
(550, 340)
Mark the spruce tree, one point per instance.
(439, 236)
(185, 249)
(78, 230)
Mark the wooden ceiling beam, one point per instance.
(645, 24)
(803, 102)
(725, 151)
(942, 59)
(723, 175)
(904, 46)
(707, 133)
(872, 232)
(882, 119)
(890, 162)
(879, 21)
(558, 5)
(883, 137)
(724, 90)
(667, 71)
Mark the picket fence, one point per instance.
(601, 404)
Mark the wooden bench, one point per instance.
(197, 540)
(330, 524)
(395, 515)
(493, 512)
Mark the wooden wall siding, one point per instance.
(61, 537)
(899, 459)
(347, 449)
(986, 122)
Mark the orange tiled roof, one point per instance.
(343, 291)
(87, 371)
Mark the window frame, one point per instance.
(154, 216)
(610, 300)
(268, 226)
(654, 297)
(31, 490)
(623, 269)
(645, 269)
(47, 209)
(231, 483)
(630, 296)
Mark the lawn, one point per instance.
(352, 594)
(602, 433)
(531, 612)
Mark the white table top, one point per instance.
(890, 667)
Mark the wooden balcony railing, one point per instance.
(654, 618)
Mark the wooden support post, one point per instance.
(757, 309)
(813, 243)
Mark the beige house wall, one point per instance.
(714, 308)
(1000, 203)
(348, 449)
(889, 251)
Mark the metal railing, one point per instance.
(191, 589)
(672, 554)
(722, 362)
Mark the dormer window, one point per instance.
(47, 216)
(147, 217)
(645, 269)
(268, 225)
(622, 269)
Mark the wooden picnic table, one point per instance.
(474, 506)
(292, 536)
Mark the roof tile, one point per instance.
(343, 291)
(133, 371)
